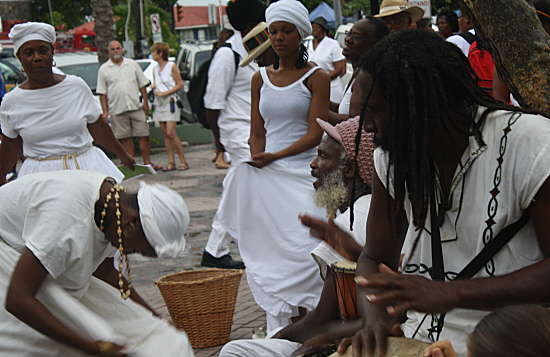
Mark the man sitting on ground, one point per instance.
(336, 170)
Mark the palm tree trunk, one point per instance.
(104, 27)
(518, 44)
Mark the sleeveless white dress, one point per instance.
(260, 207)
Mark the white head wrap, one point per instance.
(291, 11)
(164, 218)
(21, 33)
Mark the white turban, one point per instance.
(164, 218)
(29, 31)
(291, 11)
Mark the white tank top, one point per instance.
(285, 111)
(164, 80)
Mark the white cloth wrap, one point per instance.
(29, 31)
(164, 218)
(291, 11)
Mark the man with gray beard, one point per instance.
(336, 169)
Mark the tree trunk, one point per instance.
(104, 28)
(514, 36)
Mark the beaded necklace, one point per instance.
(116, 189)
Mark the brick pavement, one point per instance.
(201, 187)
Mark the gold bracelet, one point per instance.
(106, 349)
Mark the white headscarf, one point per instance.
(164, 218)
(291, 11)
(21, 33)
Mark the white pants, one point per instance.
(267, 347)
(237, 148)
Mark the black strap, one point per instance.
(480, 260)
(468, 36)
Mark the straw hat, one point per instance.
(255, 42)
(392, 7)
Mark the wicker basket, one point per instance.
(202, 303)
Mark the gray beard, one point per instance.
(332, 192)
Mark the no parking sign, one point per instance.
(155, 28)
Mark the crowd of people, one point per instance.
(430, 192)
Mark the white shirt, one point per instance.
(499, 183)
(51, 121)
(121, 84)
(52, 214)
(324, 255)
(460, 42)
(327, 52)
(229, 92)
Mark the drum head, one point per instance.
(397, 346)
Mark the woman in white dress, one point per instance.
(327, 53)
(56, 230)
(166, 84)
(263, 196)
(51, 119)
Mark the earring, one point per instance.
(54, 64)
(22, 69)
(129, 233)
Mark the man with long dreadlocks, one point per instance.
(454, 169)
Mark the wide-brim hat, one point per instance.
(321, 21)
(392, 7)
(255, 42)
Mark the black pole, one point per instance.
(374, 7)
(137, 25)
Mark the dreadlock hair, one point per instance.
(428, 83)
(302, 58)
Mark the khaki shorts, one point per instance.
(132, 124)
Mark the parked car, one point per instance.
(11, 71)
(188, 60)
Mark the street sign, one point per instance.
(155, 28)
(424, 4)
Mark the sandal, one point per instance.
(170, 167)
(183, 166)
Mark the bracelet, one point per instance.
(106, 348)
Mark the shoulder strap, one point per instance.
(468, 36)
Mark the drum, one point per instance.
(344, 280)
(397, 346)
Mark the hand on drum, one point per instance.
(334, 333)
(342, 242)
(404, 292)
(440, 349)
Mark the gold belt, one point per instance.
(65, 158)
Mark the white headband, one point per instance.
(291, 11)
(21, 33)
(164, 218)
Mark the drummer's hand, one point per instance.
(261, 159)
(339, 240)
(404, 292)
(335, 332)
(440, 349)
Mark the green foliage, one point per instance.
(120, 12)
(71, 12)
(438, 4)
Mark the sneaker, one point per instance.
(223, 262)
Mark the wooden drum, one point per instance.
(344, 279)
(397, 346)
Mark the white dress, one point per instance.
(52, 123)
(164, 81)
(260, 207)
(52, 214)
(328, 52)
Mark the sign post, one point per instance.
(155, 28)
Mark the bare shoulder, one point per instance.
(320, 77)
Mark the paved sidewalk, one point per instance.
(201, 187)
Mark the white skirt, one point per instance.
(92, 159)
(260, 207)
(100, 314)
(162, 111)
